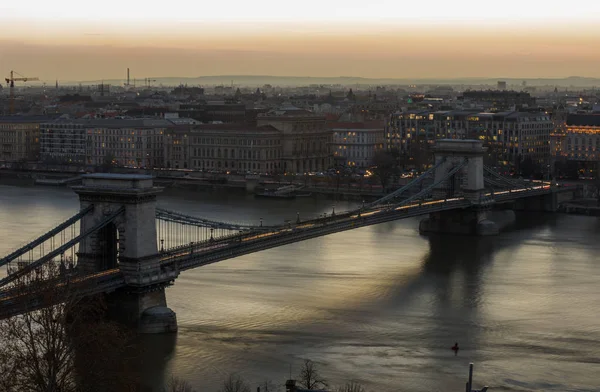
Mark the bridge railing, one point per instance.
(259, 241)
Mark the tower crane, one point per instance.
(11, 83)
(149, 82)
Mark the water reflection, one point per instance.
(380, 304)
(153, 362)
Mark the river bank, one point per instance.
(205, 182)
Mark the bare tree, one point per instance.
(268, 386)
(35, 346)
(385, 167)
(309, 376)
(234, 383)
(179, 385)
(63, 347)
(351, 387)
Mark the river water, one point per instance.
(380, 305)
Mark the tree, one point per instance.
(351, 387)
(234, 383)
(528, 168)
(385, 166)
(36, 352)
(64, 347)
(268, 386)
(309, 376)
(108, 162)
(179, 385)
(419, 154)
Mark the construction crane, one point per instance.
(149, 82)
(11, 83)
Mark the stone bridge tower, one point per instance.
(129, 244)
(467, 182)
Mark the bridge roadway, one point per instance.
(15, 301)
(188, 257)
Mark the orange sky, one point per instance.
(87, 48)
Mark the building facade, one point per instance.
(581, 138)
(224, 147)
(511, 136)
(20, 138)
(306, 140)
(354, 144)
(135, 143)
(121, 142)
(63, 141)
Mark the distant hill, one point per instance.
(260, 80)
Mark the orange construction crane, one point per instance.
(11, 83)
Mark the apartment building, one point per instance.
(122, 142)
(20, 138)
(512, 136)
(354, 144)
(63, 141)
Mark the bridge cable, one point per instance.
(405, 187)
(176, 217)
(430, 187)
(507, 180)
(30, 267)
(45, 237)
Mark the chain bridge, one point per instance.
(121, 245)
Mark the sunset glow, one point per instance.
(380, 38)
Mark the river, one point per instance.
(380, 305)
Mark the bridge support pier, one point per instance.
(543, 203)
(146, 311)
(474, 222)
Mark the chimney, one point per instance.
(127, 77)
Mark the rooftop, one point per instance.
(116, 176)
(234, 128)
(26, 119)
(590, 120)
(117, 123)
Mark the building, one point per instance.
(497, 100)
(122, 142)
(126, 142)
(228, 111)
(20, 138)
(306, 140)
(63, 141)
(511, 136)
(405, 129)
(224, 147)
(581, 139)
(354, 144)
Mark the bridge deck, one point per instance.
(17, 300)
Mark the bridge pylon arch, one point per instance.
(468, 182)
(132, 237)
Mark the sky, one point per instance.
(69, 40)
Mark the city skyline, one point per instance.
(65, 41)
